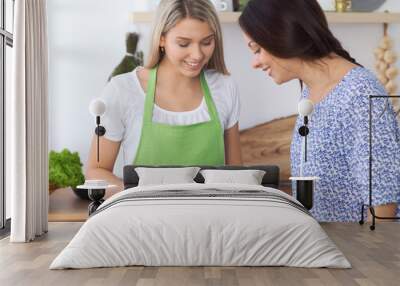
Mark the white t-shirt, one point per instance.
(124, 99)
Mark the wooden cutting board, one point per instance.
(269, 143)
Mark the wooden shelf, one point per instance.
(363, 18)
(344, 18)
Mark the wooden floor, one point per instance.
(375, 257)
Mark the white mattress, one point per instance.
(200, 231)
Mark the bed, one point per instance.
(201, 224)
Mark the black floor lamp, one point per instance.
(305, 185)
(369, 205)
(96, 188)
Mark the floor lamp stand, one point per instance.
(369, 206)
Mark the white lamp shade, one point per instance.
(305, 107)
(97, 107)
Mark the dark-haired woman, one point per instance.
(290, 40)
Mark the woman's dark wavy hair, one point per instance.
(291, 29)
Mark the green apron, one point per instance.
(186, 145)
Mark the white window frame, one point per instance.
(6, 39)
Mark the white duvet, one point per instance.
(203, 231)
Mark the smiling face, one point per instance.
(189, 45)
(280, 70)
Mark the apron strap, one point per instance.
(150, 93)
(210, 103)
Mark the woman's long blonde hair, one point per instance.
(170, 12)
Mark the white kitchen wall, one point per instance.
(87, 40)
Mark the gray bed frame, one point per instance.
(270, 179)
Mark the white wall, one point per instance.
(86, 41)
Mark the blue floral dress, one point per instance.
(338, 149)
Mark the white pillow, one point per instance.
(165, 176)
(248, 177)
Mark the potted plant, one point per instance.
(132, 58)
(65, 170)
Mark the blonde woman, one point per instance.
(182, 108)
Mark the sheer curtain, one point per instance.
(27, 147)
